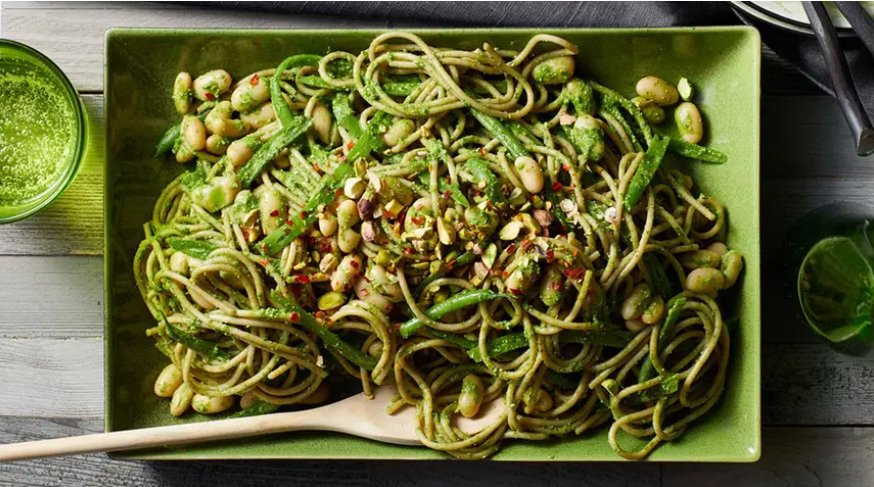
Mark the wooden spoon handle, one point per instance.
(165, 435)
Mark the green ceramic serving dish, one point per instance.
(723, 64)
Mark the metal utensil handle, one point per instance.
(845, 92)
(861, 21)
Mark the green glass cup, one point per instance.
(831, 249)
(43, 131)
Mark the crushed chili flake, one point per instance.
(245, 232)
(408, 251)
(263, 262)
(511, 249)
(254, 80)
(550, 256)
(418, 220)
(338, 192)
(447, 194)
(505, 274)
(566, 167)
(210, 96)
(316, 168)
(514, 291)
(303, 214)
(556, 286)
(556, 186)
(526, 243)
(350, 145)
(354, 263)
(365, 293)
(274, 213)
(450, 264)
(319, 314)
(304, 279)
(295, 317)
(482, 151)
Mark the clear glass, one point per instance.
(829, 269)
(19, 60)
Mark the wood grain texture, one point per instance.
(75, 41)
(51, 378)
(51, 297)
(796, 457)
(73, 224)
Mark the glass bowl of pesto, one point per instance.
(42, 131)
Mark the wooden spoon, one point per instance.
(357, 415)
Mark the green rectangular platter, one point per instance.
(724, 65)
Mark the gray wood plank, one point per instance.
(51, 297)
(797, 457)
(74, 40)
(51, 378)
(73, 224)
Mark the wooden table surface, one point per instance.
(817, 405)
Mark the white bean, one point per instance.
(657, 90)
(193, 133)
(346, 273)
(248, 96)
(530, 174)
(181, 400)
(705, 280)
(211, 405)
(168, 381)
(209, 86)
(260, 116)
(322, 123)
(689, 122)
(182, 94)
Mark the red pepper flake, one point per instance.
(354, 263)
(450, 264)
(550, 256)
(263, 248)
(245, 232)
(325, 247)
(408, 251)
(338, 192)
(482, 151)
(254, 80)
(316, 168)
(505, 274)
(274, 213)
(350, 145)
(263, 262)
(319, 314)
(210, 96)
(304, 279)
(556, 186)
(388, 214)
(556, 286)
(295, 317)
(447, 194)
(511, 249)
(287, 231)
(418, 220)
(365, 293)
(514, 291)
(566, 167)
(303, 215)
(396, 326)
(526, 243)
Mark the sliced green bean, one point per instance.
(342, 108)
(607, 337)
(270, 150)
(454, 303)
(208, 349)
(494, 127)
(657, 276)
(501, 345)
(195, 248)
(695, 151)
(645, 171)
(283, 111)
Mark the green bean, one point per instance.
(669, 385)
(501, 345)
(315, 81)
(257, 409)
(280, 106)
(455, 303)
(329, 338)
(645, 171)
(195, 248)
(657, 276)
(647, 371)
(170, 136)
(606, 337)
(270, 150)
(342, 108)
(565, 381)
(325, 193)
(400, 88)
(695, 151)
(208, 349)
(494, 127)
(481, 172)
